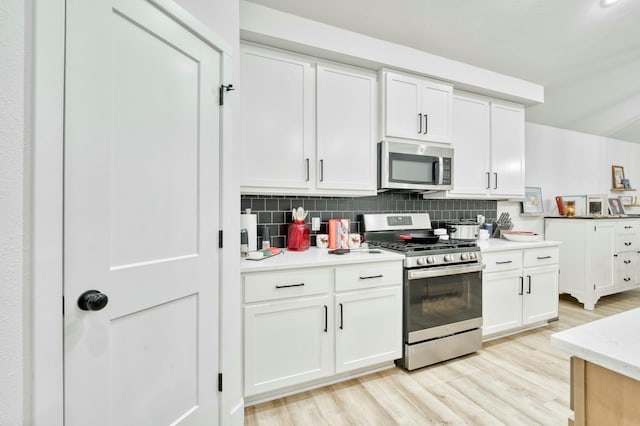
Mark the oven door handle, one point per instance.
(447, 270)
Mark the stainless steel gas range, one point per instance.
(442, 288)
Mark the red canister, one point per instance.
(299, 236)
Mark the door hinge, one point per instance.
(219, 382)
(220, 238)
(223, 89)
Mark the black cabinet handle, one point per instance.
(92, 300)
(544, 257)
(326, 318)
(504, 262)
(627, 262)
(341, 318)
(371, 277)
(521, 286)
(488, 180)
(321, 170)
(627, 279)
(307, 161)
(290, 285)
(420, 122)
(529, 279)
(628, 227)
(627, 244)
(426, 124)
(496, 187)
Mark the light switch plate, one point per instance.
(315, 223)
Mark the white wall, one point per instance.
(12, 133)
(564, 162)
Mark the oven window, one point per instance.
(408, 168)
(437, 301)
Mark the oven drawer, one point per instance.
(368, 275)
(502, 260)
(284, 284)
(541, 256)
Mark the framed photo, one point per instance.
(532, 200)
(617, 173)
(626, 200)
(615, 206)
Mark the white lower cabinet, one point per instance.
(286, 343)
(303, 325)
(369, 327)
(519, 289)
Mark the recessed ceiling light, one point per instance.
(607, 3)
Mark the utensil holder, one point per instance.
(298, 236)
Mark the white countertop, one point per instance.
(314, 257)
(612, 342)
(497, 244)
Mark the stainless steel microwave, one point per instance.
(414, 166)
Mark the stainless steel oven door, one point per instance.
(442, 301)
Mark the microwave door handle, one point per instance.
(440, 169)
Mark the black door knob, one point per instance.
(92, 300)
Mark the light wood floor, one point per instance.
(516, 380)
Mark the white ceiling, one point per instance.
(585, 55)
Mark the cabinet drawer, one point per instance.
(502, 260)
(368, 275)
(627, 243)
(626, 227)
(541, 256)
(284, 284)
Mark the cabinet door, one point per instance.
(472, 144)
(287, 343)
(507, 149)
(346, 129)
(540, 294)
(402, 100)
(436, 109)
(501, 301)
(368, 327)
(277, 120)
(601, 248)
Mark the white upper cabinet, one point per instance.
(307, 128)
(277, 115)
(415, 108)
(346, 129)
(488, 139)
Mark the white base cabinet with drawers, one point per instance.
(305, 324)
(599, 256)
(519, 289)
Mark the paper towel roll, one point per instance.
(250, 223)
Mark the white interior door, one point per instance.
(141, 217)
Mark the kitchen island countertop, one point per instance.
(497, 244)
(612, 342)
(315, 257)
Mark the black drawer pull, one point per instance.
(326, 318)
(504, 262)
(627, 244)
(372, 276)
(290, 285)
(544, 257)
(627, 262)
(627, 279)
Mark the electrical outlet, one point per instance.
(315, 223)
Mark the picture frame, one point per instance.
(615, 206)
(626, 200)
(532, 203)
(617, 175)
(597, 204)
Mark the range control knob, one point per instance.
(464, 256)
(431, 259)
(422, 261)
(448, 258)
(473, 256)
